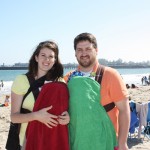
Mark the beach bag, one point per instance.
(12, 142)
(13, 137)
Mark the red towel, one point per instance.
(39, 136)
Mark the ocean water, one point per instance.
(9, 75)
(130, 76)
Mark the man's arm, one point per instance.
(124, 123)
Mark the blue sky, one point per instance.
(122, 27)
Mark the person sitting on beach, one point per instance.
(127, 86)
(133, 86)
(6, 102)
(44, 63)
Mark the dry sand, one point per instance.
(141, 94)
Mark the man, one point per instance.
(113, 88)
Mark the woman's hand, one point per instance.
(64, 118)
(48, 119)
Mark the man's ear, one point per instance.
(75, 54)
(96, 51)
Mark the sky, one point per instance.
(121, 27)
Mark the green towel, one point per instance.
(90, 128)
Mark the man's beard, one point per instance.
(85, 63)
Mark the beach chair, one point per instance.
(147, 131)
(147, 128)
(134, 121)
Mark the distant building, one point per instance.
(2, 65)
(21, 65)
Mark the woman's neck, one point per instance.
(39, 75)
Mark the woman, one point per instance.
(43, 62)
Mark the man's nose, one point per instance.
(84, 53)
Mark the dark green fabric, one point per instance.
(90, 127)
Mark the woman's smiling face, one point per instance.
(45, 60)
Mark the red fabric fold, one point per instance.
(39, 136)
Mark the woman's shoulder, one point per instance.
(20, 84)
(21, 77)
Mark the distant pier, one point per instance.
(13, 68)
(26, 68)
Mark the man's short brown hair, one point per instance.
(85, 37)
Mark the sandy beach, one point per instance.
(141, 94)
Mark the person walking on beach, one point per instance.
(142, 80)
(146, 80)
(1, 84)
(83, 102)
(47, 117)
